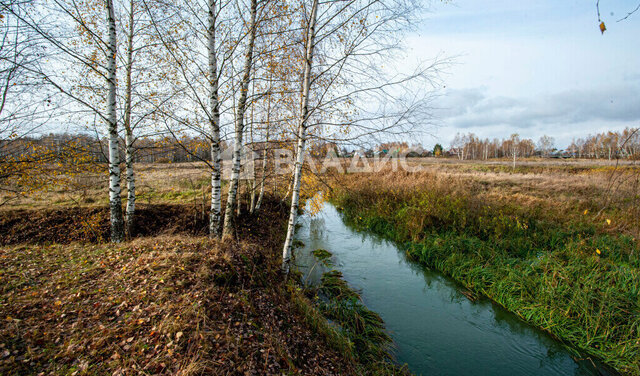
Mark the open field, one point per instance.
(157, 183)
(556, 243)
(604, 188)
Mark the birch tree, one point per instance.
(144, 76)
(229, 217)
(141, 90)
(214, 124)
(115, 200)
(347, 93)
(141, 86)
(81, 65)
(199, 49)
(275, 85)
(302, 136)
(129, 138)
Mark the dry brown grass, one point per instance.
(167, 305)
(566, 188)
(156, 183)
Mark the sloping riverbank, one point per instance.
(160, 304)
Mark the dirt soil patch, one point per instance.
(91, 224)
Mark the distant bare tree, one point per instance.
(514, 142)
(545, 144)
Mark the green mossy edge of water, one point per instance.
(496, 282)
(346, 324)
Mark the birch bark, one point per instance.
(129, 138)
(214, 125)
(115, 200)
(264, 173)
(252, 180)
(229, 217)
(264, 156)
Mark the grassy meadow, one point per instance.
(555, 243)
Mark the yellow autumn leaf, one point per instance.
(602, 27)
(598, 251)
(608, 221)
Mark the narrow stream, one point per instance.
(436, 329)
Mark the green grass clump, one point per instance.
(363, 328)
(562, 274)
(347, 324)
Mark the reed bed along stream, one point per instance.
(563, 257)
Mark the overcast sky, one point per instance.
(533, 68)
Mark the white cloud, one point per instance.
(474, 108)
(533, 68)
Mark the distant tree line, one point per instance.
(606, 145)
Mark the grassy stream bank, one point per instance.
(565, 273)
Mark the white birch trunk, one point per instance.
(115, 200)
(129, 138)
(302, 135)
(291, 179)
(229, 217)
(239, 200)
(131, 183)
(263, 176)
(264, 157)
(216, 159)
(252, 180)
(252, 203)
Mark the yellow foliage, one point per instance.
(315, 204)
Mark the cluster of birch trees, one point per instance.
(234, 71)
(608, 145)
(470, 146)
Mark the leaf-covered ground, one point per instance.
(170, 304)
(91, 224)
